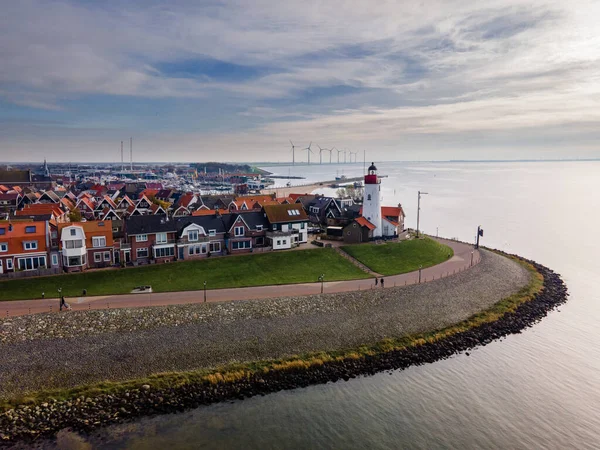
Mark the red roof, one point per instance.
(365, 223)
(295, 197)
(391, 211)
(39, 209)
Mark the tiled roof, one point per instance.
(363, 222)
(40, 209)
(149, 224)
(15, 234)
(285, 213)
(391, 211)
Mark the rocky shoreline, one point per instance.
(86, 414)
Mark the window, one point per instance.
(4, 247)
(141, 238)
(215, 247)
(302, 226)
(161, 238)
(30, 229)
(106, 256)
(164, 252)
(274, 227)
(55, 260)
(73, 231)
(369, 197)
(294, 212)
(98, 241)
(31, 245)
(193, 235)
(259, 227)
(98, 257)
(238, 245)
(142, 252)
(279, 242)
(9, 264)
(115, 230)
(212, 232)
(260, 241)
(2, 231)
(53, 234)
(32, 263)
(239, 231)
(74, 244)
(74, 260)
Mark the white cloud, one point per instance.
(423, 69)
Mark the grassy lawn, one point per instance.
(233, 271)
(400, 257)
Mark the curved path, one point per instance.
(463, 255)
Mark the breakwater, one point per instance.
(87, 413)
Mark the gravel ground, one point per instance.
(67, 349)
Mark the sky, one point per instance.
(237, 80)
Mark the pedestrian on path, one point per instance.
(382, 282)
(376, 281)
(64, 304)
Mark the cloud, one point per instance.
(336, 71)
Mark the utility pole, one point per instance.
(419, 209)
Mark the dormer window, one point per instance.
(259, 227)
(193, 235)
(239, 231)
(73, 232)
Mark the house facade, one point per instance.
(24, 246)
(85, 245)
(288, 226)
(152, 238)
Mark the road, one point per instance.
(459, 262)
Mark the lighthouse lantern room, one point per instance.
(372, 200)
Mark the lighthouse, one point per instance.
(372, 200)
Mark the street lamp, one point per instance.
(321, 277)
(472, 251)
(205, 292)
(420, 267)
(419, 209)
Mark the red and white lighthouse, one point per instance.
(372, 199)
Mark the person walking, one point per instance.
(376, 281)
(382, 282)
(64, 304)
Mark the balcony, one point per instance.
(184, 240)
(272, 234)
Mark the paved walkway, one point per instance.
(463, 254)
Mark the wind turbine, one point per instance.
(344, 156)
(293, 153)
(353, 153)
(321, 150)
(308, 152)
(338, 153)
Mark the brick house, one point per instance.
(246, 231)
(200, 236)
(152, 238)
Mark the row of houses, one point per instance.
(44, 247)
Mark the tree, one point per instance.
(75, 215)
(350, 192)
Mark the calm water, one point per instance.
(540, 389)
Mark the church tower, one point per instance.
(372, 200)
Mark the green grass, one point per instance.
(231, 373)
(400, 257)
(233, 271)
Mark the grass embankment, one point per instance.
(234, 372)
(393, 258)
(300, 266)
